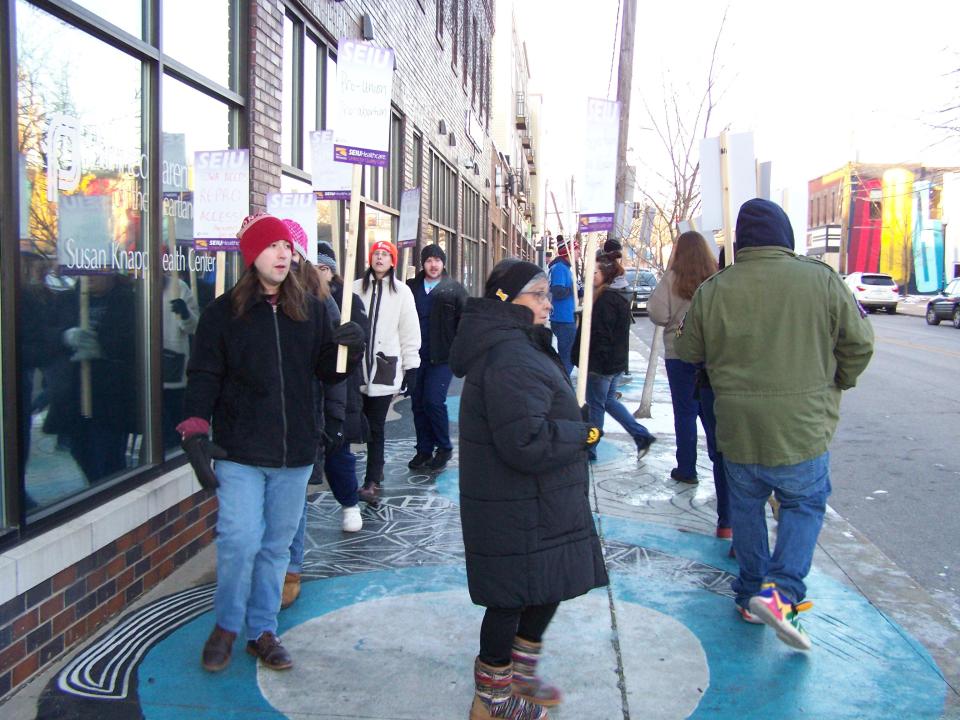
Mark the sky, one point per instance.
(818, 83)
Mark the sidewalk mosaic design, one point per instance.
(385, 619)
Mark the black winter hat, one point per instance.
(763, 223)
(430, 251)
(509, 277)
(612, 245)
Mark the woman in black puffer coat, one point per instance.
(528, 532)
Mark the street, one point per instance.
(896, 458)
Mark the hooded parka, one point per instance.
(527, 528)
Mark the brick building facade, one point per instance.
(124, 97)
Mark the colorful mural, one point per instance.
(892, 219)
(896, 236)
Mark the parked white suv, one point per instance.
(874, 290)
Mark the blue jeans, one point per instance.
(682, 377)
(565, 333)
(429, 400)
(340, 469)
(802, 490)
(259, 511)
(602, 397)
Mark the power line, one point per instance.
(613, 50)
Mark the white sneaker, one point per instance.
(352, 521)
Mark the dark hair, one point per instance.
(312, 281)
(291, 297)
(369, 276)
(691, 262)
(609, 266)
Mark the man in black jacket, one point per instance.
(440, 301)
(256, 352)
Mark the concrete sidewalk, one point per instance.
(385, 629)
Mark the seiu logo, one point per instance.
(63, 146)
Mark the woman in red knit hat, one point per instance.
(393, 352)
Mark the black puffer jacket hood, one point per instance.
(763, 223)
(486, 323)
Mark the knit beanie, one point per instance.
(562, 249)
(430, 251)
(298, 235)
(258, 232)
(612, 245)
(326, 256)
(509, 277)
(383, 245)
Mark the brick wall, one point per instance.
(265, 85)
(51, 618)
(428, 85)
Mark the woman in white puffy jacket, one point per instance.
(392, 356)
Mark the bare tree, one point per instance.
(680, 125)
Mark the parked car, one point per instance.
(874, 290)
(946, 306)
(642, 283)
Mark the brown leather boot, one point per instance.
(217, 649)
(272, 654)
(291, 590)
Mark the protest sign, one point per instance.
(409, 231)
(600, 171)
(221, 197)
(365, 80)
(331, 180)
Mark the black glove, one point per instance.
(332, 435)
(585, 412)
(409, 383)
(593, 437)
(200, 452)
(179, 306)
(351, 335)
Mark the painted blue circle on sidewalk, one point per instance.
(862, 665)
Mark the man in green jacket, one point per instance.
(780, 337)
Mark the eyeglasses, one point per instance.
(542, 296)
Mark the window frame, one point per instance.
(155, 65)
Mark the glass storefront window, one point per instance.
(191, 121)
(83, 256)
(126, 15)
(311, 110)
(286, 97)
(197, 34)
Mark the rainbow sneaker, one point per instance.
(749, 617)
(782, 616)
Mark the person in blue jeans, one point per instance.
(561, 291)
(609, 347)
(781, 337)
(264, 430)
(440, 300)
(691, 262)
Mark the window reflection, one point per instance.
(83, 259)
(126, 15)
(198, 34)
(191, 121)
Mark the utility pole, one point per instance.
(624, 85)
